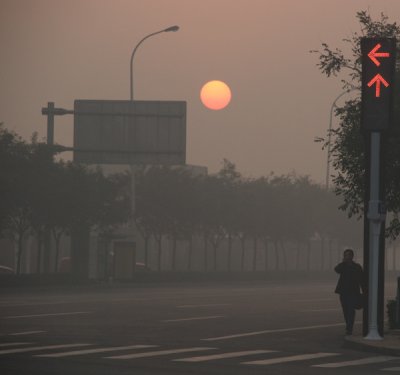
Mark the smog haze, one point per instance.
(59, 51)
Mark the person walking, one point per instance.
(349, 287)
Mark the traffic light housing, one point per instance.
(378, 72)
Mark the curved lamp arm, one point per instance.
(168, 29)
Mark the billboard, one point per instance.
(129, 132)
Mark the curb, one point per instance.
(390, 345)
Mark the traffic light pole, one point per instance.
(376, 216)
(377, 78)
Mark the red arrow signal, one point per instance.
(373, 54)
(378, 79)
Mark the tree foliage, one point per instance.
(349, 144)
(38, 194)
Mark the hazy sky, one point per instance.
(62, 50)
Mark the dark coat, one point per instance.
(351, 278)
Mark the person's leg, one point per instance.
(351, 311)
(348, 312)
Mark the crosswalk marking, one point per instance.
(15, 347)
(223, 356)
(157, 353)
(357, 362)
(293, 358)
(14, 344)
(92, 351)
(38, 348)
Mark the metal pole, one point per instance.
(375, 223)
(50, 123)
(132, 166)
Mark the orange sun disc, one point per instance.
(215, 95)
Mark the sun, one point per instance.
(215, 95)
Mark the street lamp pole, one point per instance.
(172, 28)
(132, 166)
(328, 157)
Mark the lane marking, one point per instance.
(223, 356)
(91, 351)
(357, 362)
(228, 337)
(293, 358)
(40, 315)
(38, 348)
(391, 369)
(25, 333)
(320, 310)
(158, 353)
(209, 305)
(314, 300)
(195, 318)
(2, 345)
(19, 304)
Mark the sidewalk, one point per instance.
(390, 345)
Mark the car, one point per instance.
(140, 266)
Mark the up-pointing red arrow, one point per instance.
(378, 79)
(373, 54)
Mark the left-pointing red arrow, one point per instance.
(373, 54)
(378, 79)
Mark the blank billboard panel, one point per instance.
(129, 132)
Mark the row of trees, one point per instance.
(40, 196)
(43, 198)
(226, 207)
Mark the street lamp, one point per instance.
(168, 29)
(328, 158)
(132, 166)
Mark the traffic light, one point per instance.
(378, 72)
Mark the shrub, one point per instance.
(391, 311)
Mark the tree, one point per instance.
(349, 145)
(13, 157)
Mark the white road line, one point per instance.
(38, 348)
(315, 300)
(391, 369)
(209, 305)
(358, 362)
(40, 315)
(2, 345)
(158, 353)
(223, 356)
(25, 333)
(320, 310)
(92, 351)
(272, 331)
(21, 304)
(194, 318)
(293, 358)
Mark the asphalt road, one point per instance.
(243, 328)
